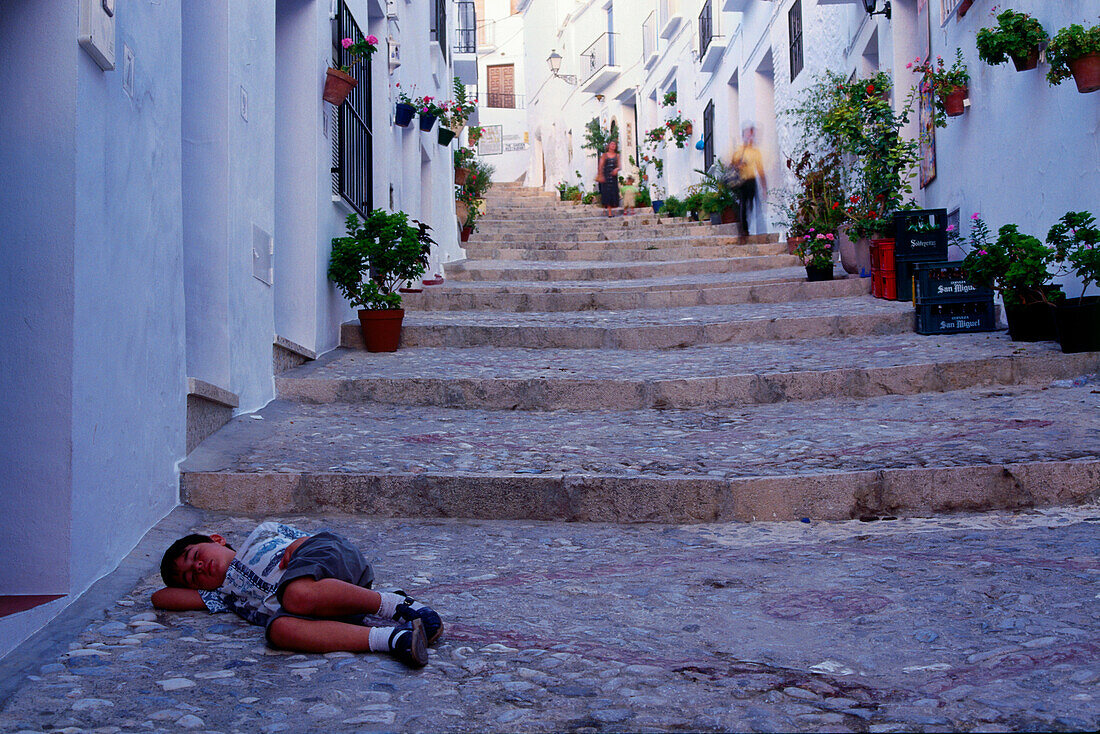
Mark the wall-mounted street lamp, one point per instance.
(869, 6)
(554, 62)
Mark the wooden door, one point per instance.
(502, 85)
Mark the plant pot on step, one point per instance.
(460, 176)
(1026, 63)
(657, 204)
(1078, 322)
(465, 234)
(1032, 322)
(404, 114)
(716, 217)
(1086, 72)
(426, 121)
(729, 216)
(462, 211)
(338, 86)
(953, 101)
(381, 328)
(817, 274)
(446, 135)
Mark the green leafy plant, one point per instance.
(1068, 44)
(404, 97)
(357, 50)
(377, 256)
(428, 106)
(943, 81)
(1015, 35)
(457, 111)
(478, 182)
(562, 188)
(679, 129)
(643, 199)
(1016, 265)
(818, 205)
(1076, 239)
(464, 157)
(673, 207)
(669, 100)
(596, 139)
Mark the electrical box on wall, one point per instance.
(394, 52)
(97, 31)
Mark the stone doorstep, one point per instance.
(603, 498)
(471, 270)
(661, 336)
(548, 393)
(701, 294)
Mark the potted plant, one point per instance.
(406, 107)
(463, 157)
(429, 111)
(369, 265)
(1075, 50)
(657, 198)
(1017, 267)
(338, 81)
(949, 85)
(720, 182)
(673, 207)
(471, 194)
(1017, 36)
(815, 250)
(679, 130)
(1076, 240)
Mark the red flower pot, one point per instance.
(1027, 63)
(460, 176)
(953, 101)
(381, 328)
(465, 234)
(338, 86)
(1086, 72)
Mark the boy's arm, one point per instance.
(178, 600)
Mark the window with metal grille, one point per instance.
(706, 28)
(708, 136)
(439, 24)
(794, 24)
(352, 143)
(466, 28)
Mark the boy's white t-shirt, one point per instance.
(253, 576)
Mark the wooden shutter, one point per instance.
(502, 85)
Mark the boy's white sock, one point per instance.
(380, 638)
(387, 608)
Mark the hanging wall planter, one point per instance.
(1086, 72)
(426, 121)
(1075, 51)
(404, 114)
(953, 101)
(460, 176)
(338, 86)
(446, 135)
(1027, 63)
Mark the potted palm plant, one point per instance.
(338, 81)
(1075, 50)
(1017, 36)
(1076, 240)
(369, 265)
(1016, 265)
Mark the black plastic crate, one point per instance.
(904, 270)
(956, 318)
(924, 246)
(944, 282)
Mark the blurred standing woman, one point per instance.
(608, 177)
(749, 162)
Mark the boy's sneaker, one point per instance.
(412, 610)
(409, 645)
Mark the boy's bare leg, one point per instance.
(329, 598)
(319, 635)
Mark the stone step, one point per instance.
(687, 251)
(489, 270)
(565, 238)
(649, 328)
(548, 225)
(667, 293)
(696, 377)
(833, 459)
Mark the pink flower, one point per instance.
(982, 252)
(975, 216)
(372, 40)
(830, 237)
(951, 228)
(346, 43)
(909, 65)
(828, 246)
(812, 229)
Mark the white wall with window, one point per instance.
(502, 90)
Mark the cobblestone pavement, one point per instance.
(962, 427)
(966, 623)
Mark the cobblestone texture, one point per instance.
(968, 623)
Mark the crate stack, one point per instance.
(948, 303)
(920, 236)
(884, 274)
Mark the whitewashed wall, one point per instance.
(506, 34)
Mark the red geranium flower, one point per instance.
(870, 89)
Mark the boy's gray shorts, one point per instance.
(325, 556)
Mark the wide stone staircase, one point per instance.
(638, 368)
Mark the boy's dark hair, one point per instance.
(177, 549)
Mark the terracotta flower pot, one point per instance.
(1027, 63)
(953, 101)
(381, 328)
(462, 210)
(338, 86)
(460, 176)
(1086, 72)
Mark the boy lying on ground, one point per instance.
(310, 593)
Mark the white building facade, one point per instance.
(167, 211)
(502, 89)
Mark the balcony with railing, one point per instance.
(649, 40)
(711, 45)
(504, 101)
(669, 17)
(598, 66)
(466, 27)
